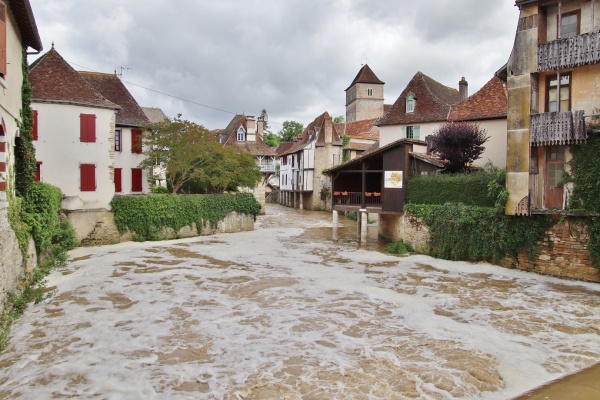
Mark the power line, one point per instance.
(173, 96)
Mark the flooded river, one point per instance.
(285, 312)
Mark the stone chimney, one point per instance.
(463, 89)
(250, 125)
(260, 126)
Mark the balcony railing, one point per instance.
(355, 198)
(556, 128)
(267, 168)
(571, 52)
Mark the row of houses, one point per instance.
(533, 109)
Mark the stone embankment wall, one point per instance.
(12, 265)
(98, 227)
(563, 253)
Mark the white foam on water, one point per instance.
(275, 313)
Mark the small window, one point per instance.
(241, 134)
(136, 179)
(410, 103)
(87, 125)
(369, 92)
(552, 93)
(409, 132)
(118, 180)
(34, 131)
(136, 141)
(38, 172)
(87, 177)
(569, 25)
(413, 132)
(118, 140)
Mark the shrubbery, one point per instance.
(146, 216)
(399, 247)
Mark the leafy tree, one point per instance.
(290, 131)
(271, 139)
(459, 143)
(182, 147)
(265, 117)
(339, 119)
(230, 169)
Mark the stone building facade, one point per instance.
(364, 96)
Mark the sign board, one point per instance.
(393, 180)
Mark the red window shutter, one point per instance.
(136, 141)
(34, 132)
(87, 128)
(87, 176)
(136, 179)
(118, 185)
(3, 38)
(38, 171)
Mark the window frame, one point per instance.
(548, 87)
(577, 14)
(410, 132)
(136, 141)
(137, 173)
(241, 134)
(410, 100)
(87, 128)
(85, 172)
(118, 140)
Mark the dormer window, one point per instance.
(241, 134)
(410, 103)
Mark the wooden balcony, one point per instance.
(267, 167)
(571, 52)
(356, 198)
(557, 128)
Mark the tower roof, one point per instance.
(366, 75)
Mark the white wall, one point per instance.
(59, 149)
(285, 171)
(495, 147)
(391, 133)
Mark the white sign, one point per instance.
(393, 180)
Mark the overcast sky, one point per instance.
(294, 58)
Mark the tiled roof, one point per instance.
(366, 75)
(359, 129)
(429, 158)
(154, 114)
(315, 131)
(358, 146)
(256, 148)
(111, 87)
(490, 102)
(21, 10)
(433, 101)
(54, 80)
(284, 147)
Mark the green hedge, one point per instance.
(470, 189)
(147, 215)
(472, 233)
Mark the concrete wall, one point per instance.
(12, 264)
(567, 257)
(98, 227)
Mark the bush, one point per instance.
(399, 247)
(466, 188)
(146, 216)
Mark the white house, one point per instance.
(86, 133)
(74, 128)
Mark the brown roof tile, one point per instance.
(433, 101)
(54, 80)
(315, 131)
(154, 114)
(256, 148)
(111, 87)
(490, 102)
(366, 75)
(359, 129)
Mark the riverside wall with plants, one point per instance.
(478, 230)
(166, 216)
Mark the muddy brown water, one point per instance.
(286, 312)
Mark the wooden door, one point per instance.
(554, 177)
